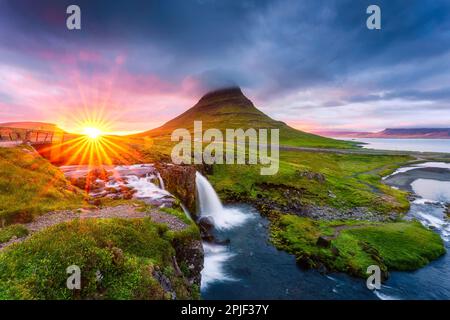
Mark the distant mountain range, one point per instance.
(399, 133)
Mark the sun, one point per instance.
(93, 133)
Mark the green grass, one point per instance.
(15, 230)
(392, 246)
(237, 113)
(125, 252)
(355, 180)
(30, 185)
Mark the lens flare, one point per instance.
(93, 133)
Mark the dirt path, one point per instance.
(122, 211)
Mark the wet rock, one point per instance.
(179, 180)
(322, 268)
(447, 209)
(305, 262)
(323, 242)
(165, 283)
(79, 182)
(190, 253)
(356, 213)
(310, 175)
(111, 190)
(289, 199)
(205, 169)
(208, 237)
(206, 223)
(88, 184)
(99, 173)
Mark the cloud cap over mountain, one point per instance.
(312, 64)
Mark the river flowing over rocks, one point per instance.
(158, 185)
(240, 263)
(139, 181)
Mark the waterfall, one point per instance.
(209, 201)
(161, 182)
(210, 206)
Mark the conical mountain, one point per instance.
(230, 108)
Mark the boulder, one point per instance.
(189, 252)
(323, 242)
(206, 223)
(99, 173)
(179, 180)
(310, 175)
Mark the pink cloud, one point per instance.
(122, 100)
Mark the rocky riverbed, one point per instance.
(156, 184)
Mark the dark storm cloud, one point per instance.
(274, 49)
(414, 95)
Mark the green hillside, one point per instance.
(230, 108)
(30, 185)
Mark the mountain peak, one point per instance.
(229, 108)
(222, 92)
(224, 96)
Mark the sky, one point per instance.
(311, 63)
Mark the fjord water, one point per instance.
(421, 145)
(432, 281)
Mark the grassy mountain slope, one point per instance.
(229, 108)
(30, 185)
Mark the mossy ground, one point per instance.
(15, 230)
(392, 246)
(124, 252)
(348, 181)
(30, 185)
(353, 179)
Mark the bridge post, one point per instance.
(27, 136)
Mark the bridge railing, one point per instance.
(30, 136)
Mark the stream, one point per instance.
(249, 267)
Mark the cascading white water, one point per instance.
(208, 200)
(210, 206)
(214, 264)
(216, 256)
(161, 181)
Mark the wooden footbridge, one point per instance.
(13, 136)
